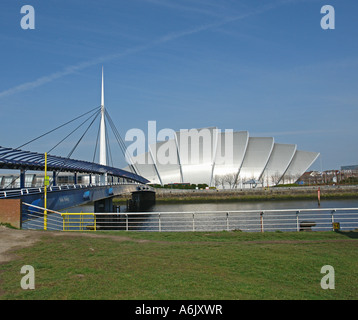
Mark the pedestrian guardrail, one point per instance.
(249, 220)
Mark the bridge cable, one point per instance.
(108, 146)
(56, 128)
(116, 133)
(12, 181)
(76, 145)
(121, 143)
(72, 132)
(95, 149)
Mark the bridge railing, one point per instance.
(79, 222)
(249, 220)
(15, 193)
(39, 218)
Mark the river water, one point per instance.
(237, 206)
(215, 216)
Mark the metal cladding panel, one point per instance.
(257, 154)
(144, 164)
(196, 146)
(166, 160)
(197, 174)
(148, 171)
(196, 153)
(230, 152)
(301, 161)
(279, 161)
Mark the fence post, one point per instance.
(227, 221)
(262, 221)
(193, 222)
(297, 221)
(332, 218)
(160, 226)
(126, 222)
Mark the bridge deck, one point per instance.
(26, 160)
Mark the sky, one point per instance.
(266, 67)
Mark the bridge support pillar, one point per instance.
(54, 179)
(107, 222)
(142, 200)
(22, 178)
(103, 205)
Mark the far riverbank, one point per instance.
(255, 194)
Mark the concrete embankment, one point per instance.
(274, 193)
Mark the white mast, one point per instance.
(102, 139)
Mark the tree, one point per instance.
(230, 178)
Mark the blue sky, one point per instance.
(263, 66)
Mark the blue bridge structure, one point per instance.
(62, 197)
(105, 182)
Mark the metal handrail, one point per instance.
(19, 192)
(247, 220)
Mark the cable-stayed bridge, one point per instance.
(104, 181)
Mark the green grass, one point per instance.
(198, 265)
(244, 197)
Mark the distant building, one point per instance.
(258, 159)
(327, 177)
(352, 168)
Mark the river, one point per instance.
(236, 206)
(221, 216)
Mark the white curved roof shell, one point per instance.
(280, 158)
(198, 155)
(256, 157)
(230, 152)
(301, 161)
(166, 161)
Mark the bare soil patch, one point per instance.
(13, 239)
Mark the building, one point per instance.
(227, 159)
(353, 168)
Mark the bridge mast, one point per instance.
(102, 140)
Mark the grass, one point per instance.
(186, 266)
(254, 197)
(249, 197)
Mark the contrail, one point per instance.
(169, 37)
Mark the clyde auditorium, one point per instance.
(250, 160)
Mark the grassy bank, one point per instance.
(204, 196)
(253, 197)
(206, 265)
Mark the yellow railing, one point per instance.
(78, 221)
